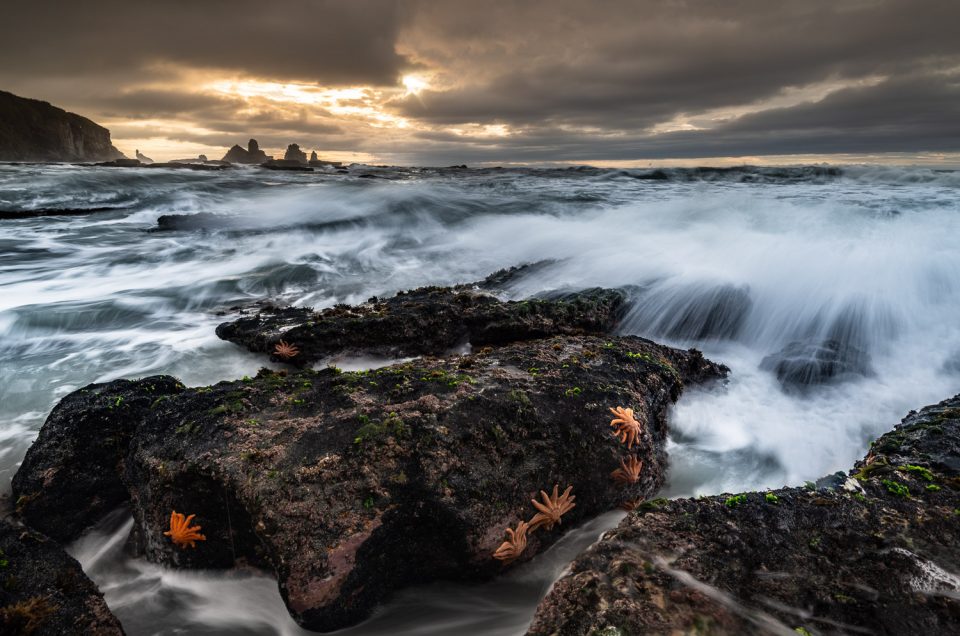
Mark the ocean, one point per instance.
(752, 266)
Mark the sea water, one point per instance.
(738, 263)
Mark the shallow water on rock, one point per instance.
(742, 264)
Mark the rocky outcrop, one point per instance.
(874, 551)
(294, 153)
(429, 320)
(38, 212)
(43, 591)
(351, 485)
(252, 154)
(32, 130)
(142, 158)
(801, 365)
(286, 164)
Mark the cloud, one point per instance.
(505, 80)
(628, 65)
(326, 41)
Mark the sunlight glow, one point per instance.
(358, 102)
(415, 84)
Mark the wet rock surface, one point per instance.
(873, 551)
(425, 321)
(43, 591)
(801, 365)
(350, 485)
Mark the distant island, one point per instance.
(33, 130)
(36, 131)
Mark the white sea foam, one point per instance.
(737, 269)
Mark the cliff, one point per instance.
(32, 130)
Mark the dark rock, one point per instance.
(877, 552)
(252, 154)
(313, 155)
(351, 485)
(286, 164)
(695, 313)
(200, 159)
(142, 158)
(801, 365)
(295, 154)
(320, 163)
(32, 130)
(43, 591)
(27, 214)
(429, 320)
(198, 221)
(94, 424)
(120, 163)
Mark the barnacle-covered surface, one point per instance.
(875, 550)
(351, 484)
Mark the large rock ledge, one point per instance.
(43, 591)
(426, 321)
(350, 485)
(876, 551)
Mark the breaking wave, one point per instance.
(832, 293)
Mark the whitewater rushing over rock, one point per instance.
(830, 293)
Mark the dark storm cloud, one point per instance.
(162, 103)
(327, 41)
(572, 81)
(906, 115)
(631, 65)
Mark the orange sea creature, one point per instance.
(181, 533)
(512, 548)
(552, 508)
(631, 504)
(285, 350)
(629, 471)
(628, 428)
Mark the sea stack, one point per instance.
(295, 154)
(252, 154)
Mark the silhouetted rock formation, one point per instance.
(200, 159)
(295, 154)
(285, 164)
(142, 158)
(252, 154)
(319, 163)
(32, 130)
(313, 156)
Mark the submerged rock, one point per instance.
(37, 212)
(351, 485)
(196, 221)
(875, 551)
(286, 164)
(44, 592)
(429, 320)
(691, 313)
(800, 365)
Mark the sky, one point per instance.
(605, 82)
